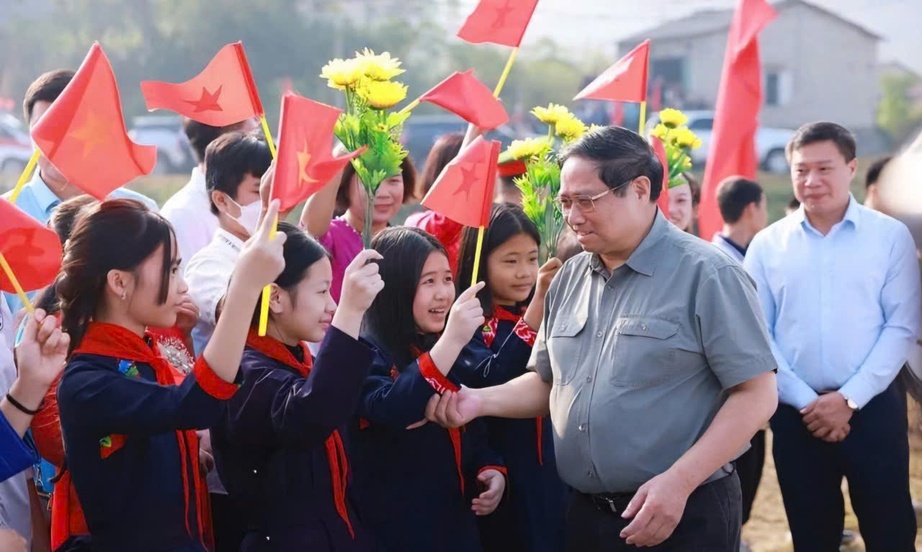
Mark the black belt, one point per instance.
(616, 503)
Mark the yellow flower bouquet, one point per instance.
(370, 92)
(541, 181)
(678, 141)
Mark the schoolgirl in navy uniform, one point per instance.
(531, 518)
(128, 427)
(279, 449)
(420, 485)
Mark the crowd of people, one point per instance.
(613, 398)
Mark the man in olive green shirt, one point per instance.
(652, 359)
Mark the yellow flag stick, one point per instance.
(410, 106)
(268, 133)
(643, 117)
(267, 291)
(477, 251)
(506, 70)
(496, 92)
(19, 291)
(25, 176)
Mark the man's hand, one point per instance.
(656, 510)
(494, 484)
(827, 417)
(454, 409)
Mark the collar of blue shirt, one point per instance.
(44, 200)
(852, 215)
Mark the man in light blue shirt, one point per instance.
(48, 187)
(840, 287)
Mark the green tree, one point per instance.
(895, 114)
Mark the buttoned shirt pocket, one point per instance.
(645, 351)
(566, 346)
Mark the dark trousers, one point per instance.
(227, 522)
(749, 466)
(711, 523)
(874, 458)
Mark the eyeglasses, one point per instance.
(585, 203)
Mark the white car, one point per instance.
(770, 142)
(15, 145)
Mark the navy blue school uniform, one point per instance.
(415, 485)
(279, 451)
(132, 452)
(531, 517)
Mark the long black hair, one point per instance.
(389, 321)
(117, 234)
(300, 252)
(506, 221)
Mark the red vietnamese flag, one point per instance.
(498, 21)
(660, 150)
(736, 115)
(464, 95)
(33, 251)
(305, 162)
(464, 190)
(624, 81)
(223, 94)
(83, 132)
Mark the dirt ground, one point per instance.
(767, 530)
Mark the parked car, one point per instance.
(174, 155)
(770, 142)
(421, 131)
(15, 145)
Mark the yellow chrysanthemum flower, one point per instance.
(378, 67)
(528, 148)
(686, 163)
(672, 118)
(661, 131)
(570, 128)
(341, 73)
(551, 114)
(382, 94)
(685, 138)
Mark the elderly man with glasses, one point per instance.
(653, 360)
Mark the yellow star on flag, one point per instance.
(304, 159)
(93, 132)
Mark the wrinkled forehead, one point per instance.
(580, 176)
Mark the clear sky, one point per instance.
(600, 23)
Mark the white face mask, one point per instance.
(249, 215)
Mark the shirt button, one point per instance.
(598, 334)
(643, 327)
(589, 473)
(588, 379)
(582, 427)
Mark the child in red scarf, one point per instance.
(279, 450)
(129, 430)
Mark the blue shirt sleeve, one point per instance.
(791, 389)
(15, 455)
(899, 299)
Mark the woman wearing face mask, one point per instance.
(345, 196)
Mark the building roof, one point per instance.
(709, 21)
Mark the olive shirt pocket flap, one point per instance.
(656, 328)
